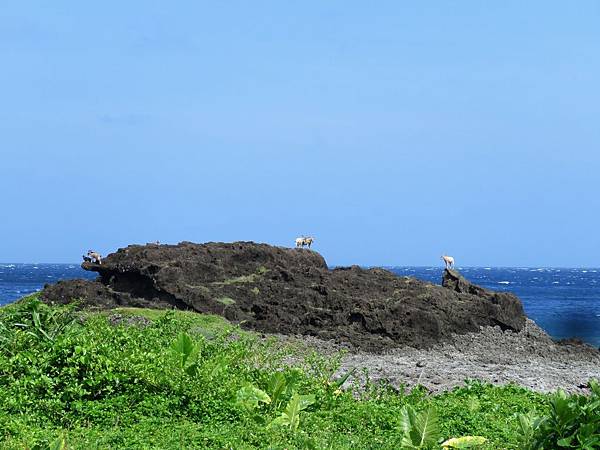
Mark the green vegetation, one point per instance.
(573, 422)
(184, 380)
(252, 278)
(226, 300)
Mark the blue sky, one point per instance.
(391, 131)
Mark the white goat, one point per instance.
(303, 240)
(449, 261)
(95, 256)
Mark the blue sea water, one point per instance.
(19, 280)
(564, 302)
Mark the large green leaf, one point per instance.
(426, 428)
(277, 385)
(304, 401)
(407, 418)
(419, 430)
(291, 415)
(184, 346)
(249, 396)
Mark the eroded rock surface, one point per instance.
(292, 291)
(529, 358)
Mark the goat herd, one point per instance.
(301, 242)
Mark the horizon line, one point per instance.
(365, 266)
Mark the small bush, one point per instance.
(572, 422)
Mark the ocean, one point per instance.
(564, 302)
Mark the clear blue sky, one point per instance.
(392, 131)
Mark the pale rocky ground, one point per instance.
(529, 358)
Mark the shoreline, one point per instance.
(530, 359)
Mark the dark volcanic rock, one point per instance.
(511, 315)
(94, 294)
(90, 293)
(291, 291)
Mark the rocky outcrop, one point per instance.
(510, 306)
(94, 294)
(292, 291)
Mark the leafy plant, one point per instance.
(290, 417)
(36, 320)
(281, 385)
(573, 422)
(277, 386)
(249, 397)
(185, 347)
(419, 430)
(165, 386)
(528, 426)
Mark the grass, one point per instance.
(203, 323)
(226, 300)
(187, 380)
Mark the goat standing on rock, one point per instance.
(94, 257)
(302, 241)
(449, 261)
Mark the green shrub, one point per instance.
(185, 380)
(572, 422)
